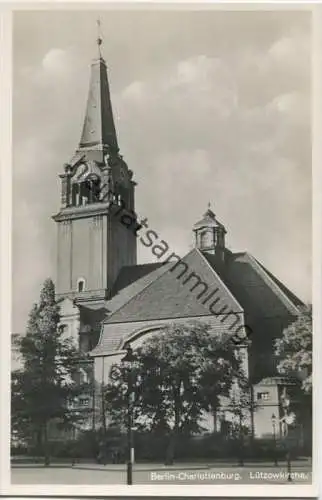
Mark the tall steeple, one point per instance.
(98, 135)
(93, 244)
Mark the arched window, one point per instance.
(205, 239)
(75, 194)
(219, 237)
(80, 285)
(96, 188)
(84, 193)
(83, 377)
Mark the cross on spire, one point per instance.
(99, 134)
(209, 210)
(99, 39)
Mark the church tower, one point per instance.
(96, 186)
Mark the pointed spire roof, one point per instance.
(208, 220)
(99, 134)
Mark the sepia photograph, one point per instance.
(161, 324)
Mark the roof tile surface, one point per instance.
(169, 296)
(151, 294)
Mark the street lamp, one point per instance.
(288, 419)
(274, 437)
(241, 441)
(128, 359)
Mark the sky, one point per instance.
(210, 106)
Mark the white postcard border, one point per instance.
(266, 490)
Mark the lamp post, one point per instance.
(128, 359)
(241, 441)
(288, 419)
(274, 437)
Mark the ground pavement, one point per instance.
(259, 473)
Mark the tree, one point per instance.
(294, 350)
(242, 407)
(177, 376)
(294, 355)
(44, 388)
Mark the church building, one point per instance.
(107, 299)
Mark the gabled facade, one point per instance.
(107, 299)
(228, 291)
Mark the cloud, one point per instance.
(57, 67)
(136, 92)
(32, 262)
(210, 102)
(56, 62)
(290, 50)
(294, 105)
(198, 70)
(192, 79)
(228, 149)
(221, 116)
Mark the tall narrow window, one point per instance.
(205, 239)
(81, 285)
(83, 377)
(75, 191)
